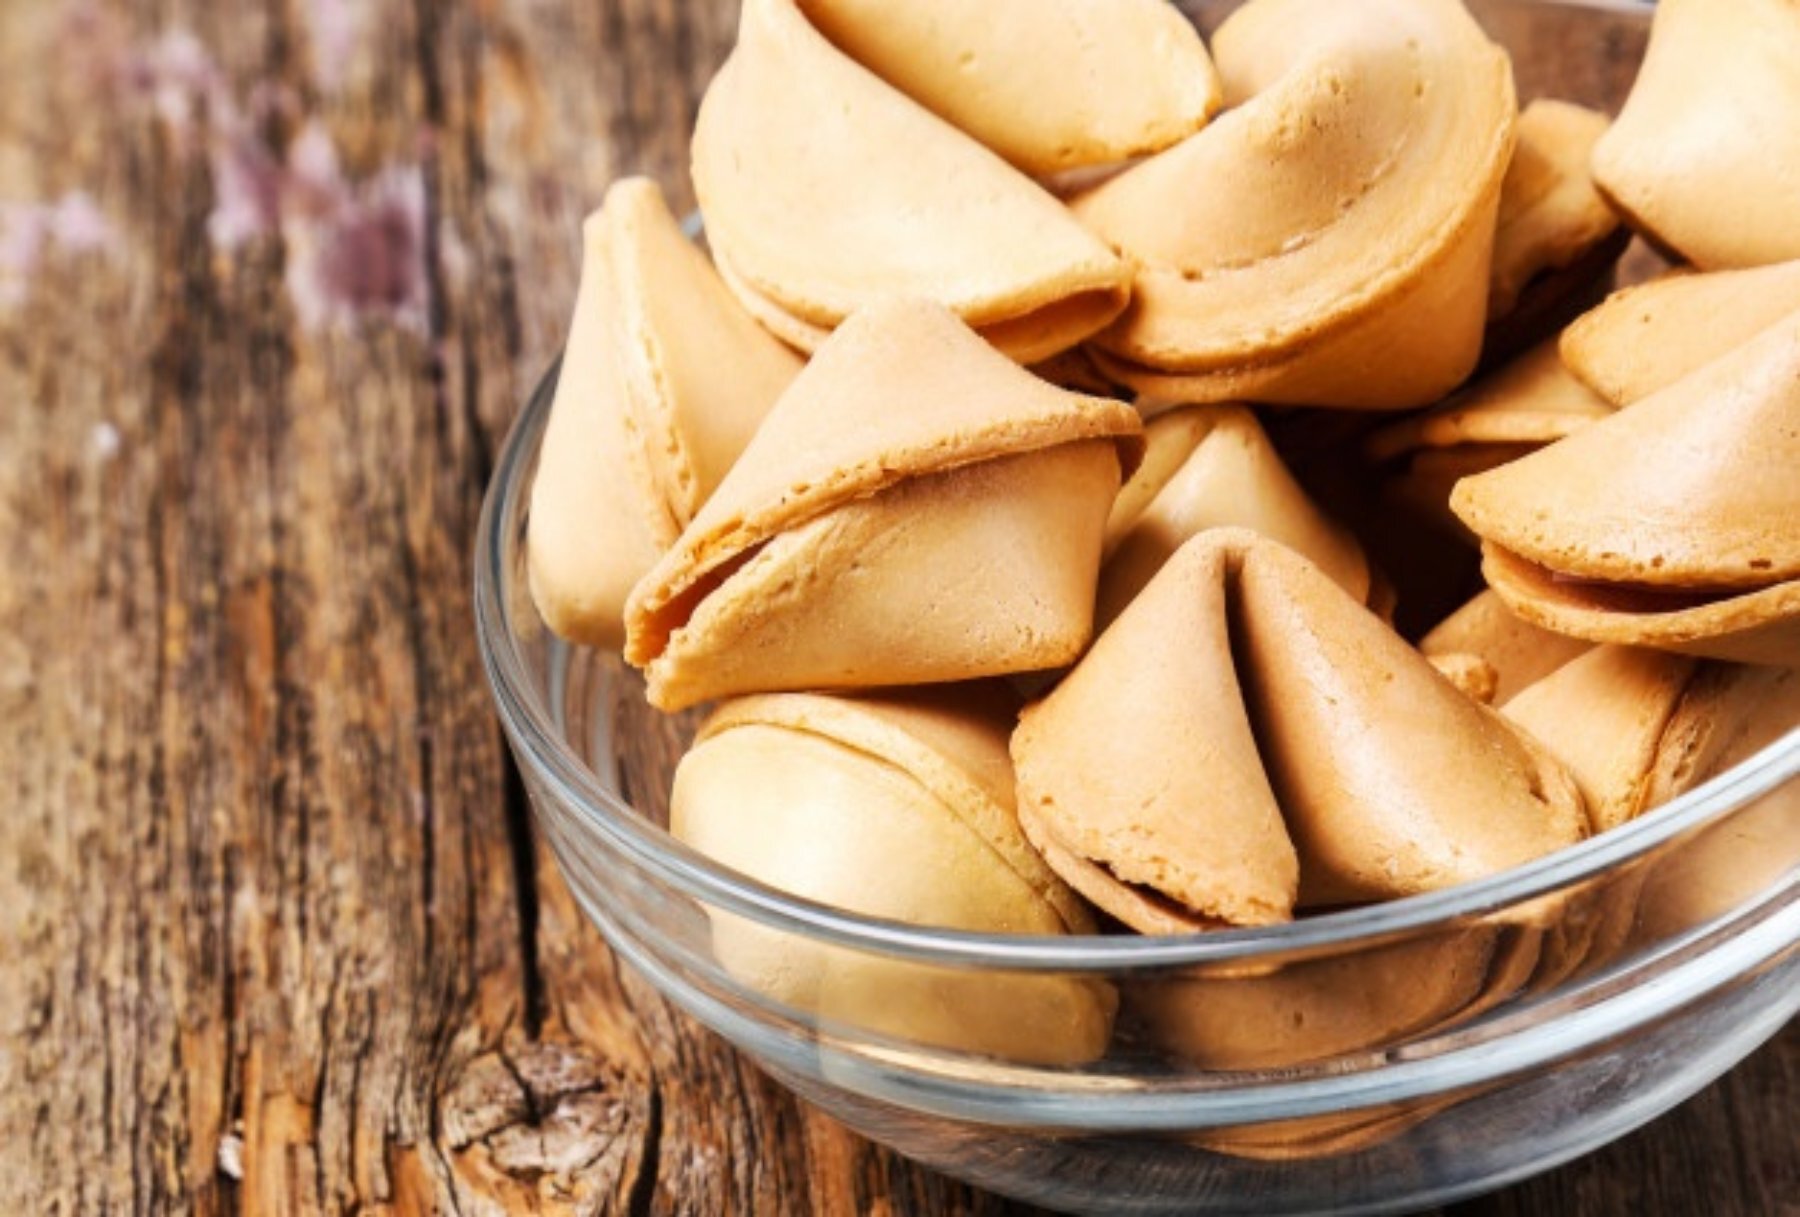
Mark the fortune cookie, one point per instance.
(1604, 715)
(1532, 400)
(1337, 1134)
(1518, 653)
(1246, 739)
(1638, 727)
(1705, 156)
(915, 508)
(898, 807)
(1526, 404)
(1647, 337)
(1050, 85)
(1327, 240)
(1551, 216)
(1730, 714)
(662, 383)
(1673, 524)
(1209, 467)
(825, 189)
(1316, 1009)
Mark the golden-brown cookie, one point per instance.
(1504, 415)
(1604, 715)
(1316, 1009)
(662, 383)
(897, 806)
(1647, 337)
(825, 189)
(1674, 524)
(916, 508)
(1519, 653)
(1668, 735)
(1731, 714)
(1705, 156)
(1246, 738)
(1331, 244)
(1551, 215)
(1532, 400)
(1050, 85)
(1211, 467)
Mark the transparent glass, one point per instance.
(1375, 1059)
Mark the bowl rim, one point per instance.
(552, 765)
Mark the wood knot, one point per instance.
(549, 1115)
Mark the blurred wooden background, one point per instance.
(274, 278)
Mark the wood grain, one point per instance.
(277, 939)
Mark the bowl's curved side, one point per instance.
(1613, 1001)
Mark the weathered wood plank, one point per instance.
(274, 865)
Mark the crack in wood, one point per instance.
(640, 1200)
(322, 1079)
(517, 809)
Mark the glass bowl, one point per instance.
(1375, 1059)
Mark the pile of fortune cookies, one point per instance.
(953, 471)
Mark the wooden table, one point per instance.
(274, 278)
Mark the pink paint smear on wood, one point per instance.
(355, 250)
(72, 224)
